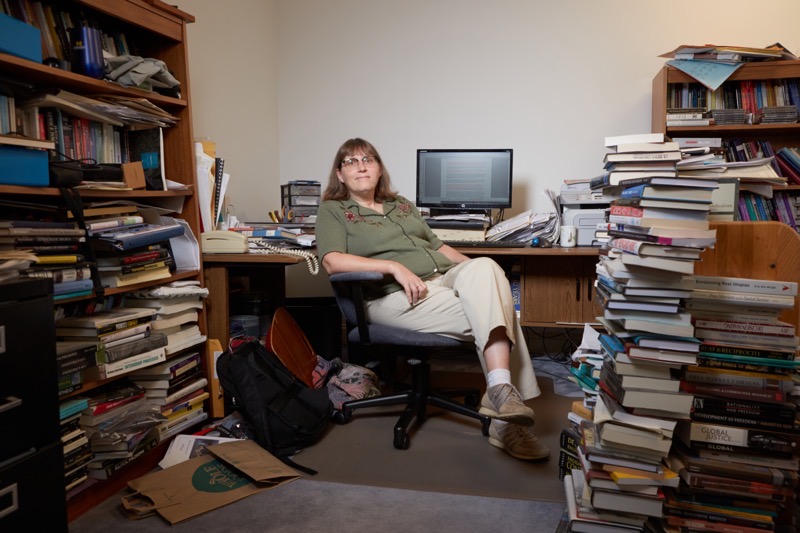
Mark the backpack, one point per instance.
(286, 414)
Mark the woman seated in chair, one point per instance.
(363, 224)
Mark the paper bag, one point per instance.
(232, 471)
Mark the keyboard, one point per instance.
(485, 244)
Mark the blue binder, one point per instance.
(140, 236)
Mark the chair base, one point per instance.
(416, 401)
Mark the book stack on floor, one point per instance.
(175, 318)
(106, 409)
(740, 447)
(58, 247)
(77, 452)
(177, 389)
(122, 337)
(658, 226)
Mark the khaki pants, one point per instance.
(467, 302)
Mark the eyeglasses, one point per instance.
(352, 162)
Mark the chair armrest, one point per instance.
(345, 277)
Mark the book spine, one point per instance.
(730, 485)
(752, 328)
(735, 393)
(567, 462)
(718, 283)
(137, 347)
(742, 351)
(710, 404)
(717, 522)
(710, 362)
(626, 211)
(131, 363)
(60, 276)
(104, 407)
(145, 267)
(743, 422)
(123, 325)
(199, 384)
(741, 439)
(140, 450)
(123, 333)
(745, 338)
(569, 440)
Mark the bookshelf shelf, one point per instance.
(159, 31)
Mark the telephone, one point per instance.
(223, 242)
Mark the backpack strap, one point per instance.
(74, 204)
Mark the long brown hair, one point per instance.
(336, 190)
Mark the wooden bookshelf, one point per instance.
(159, 31)
(778, 135)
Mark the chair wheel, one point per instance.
(401, 442)
(342, 417)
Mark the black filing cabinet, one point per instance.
(32, 496)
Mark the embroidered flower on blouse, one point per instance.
(405, 209)
(349, 216)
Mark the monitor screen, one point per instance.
(464, 179)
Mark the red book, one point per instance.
(790, 173)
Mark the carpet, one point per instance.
(448, 453)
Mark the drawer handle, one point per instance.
(10, 403)
(6, 493)
(577, 289)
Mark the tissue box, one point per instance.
(23, 166)
(20, 39)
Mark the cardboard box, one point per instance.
(23, 166)
(232, 471)
(20, 39)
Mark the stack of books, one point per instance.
(637, 156)
(740, 446)
(77, 452)
(177, 389)
(175, 318)
(72, 358)
(58, 247)
(658, 226)
(121, 336)
(105, 408)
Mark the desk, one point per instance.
(556, 284)
(264, 272)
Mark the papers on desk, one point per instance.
(523, 227)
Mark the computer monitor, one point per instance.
(464, 179)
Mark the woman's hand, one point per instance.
(414, 287)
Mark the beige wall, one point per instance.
(279, 84)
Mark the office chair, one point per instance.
(416, 347)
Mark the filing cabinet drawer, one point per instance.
(32, 496)
(28, 395)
